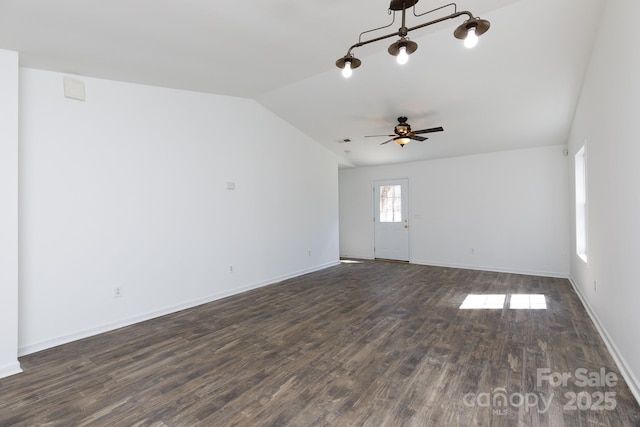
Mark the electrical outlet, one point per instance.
(117, 292)
(594, 286)
(309, 252)
(231, 269)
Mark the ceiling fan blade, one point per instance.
(418, 138)
(438, 129)
(374, 136)
(389, 140)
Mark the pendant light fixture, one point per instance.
(468, 31)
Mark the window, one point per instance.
(581, 203)
(391, 203)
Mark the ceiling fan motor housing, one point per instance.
(402, 128)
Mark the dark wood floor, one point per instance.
(368, 344)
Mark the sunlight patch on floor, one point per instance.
(496, 301)
(528, 302)
(489, 301)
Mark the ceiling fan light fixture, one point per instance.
(402, 141)
(405, 134)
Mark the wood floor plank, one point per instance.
(361, 344)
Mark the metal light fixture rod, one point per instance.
(403, 30)
(408, 30)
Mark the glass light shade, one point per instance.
(403, 56)
(346, 71)
(472, 39)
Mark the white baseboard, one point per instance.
(542, 273)
(10, 369)
(620, 361)
(54, 342)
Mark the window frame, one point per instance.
(581, 202)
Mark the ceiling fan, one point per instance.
(404, 134)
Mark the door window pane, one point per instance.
(390, 203)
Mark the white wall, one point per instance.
(510, 207)
(8, 213)
(607, 119)
(128, 189)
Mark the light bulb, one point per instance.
(403, 56)
(346, 71)
(472, 39)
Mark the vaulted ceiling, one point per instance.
(518, 88)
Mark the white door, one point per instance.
(391, 219)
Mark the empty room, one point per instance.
(298, 213)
